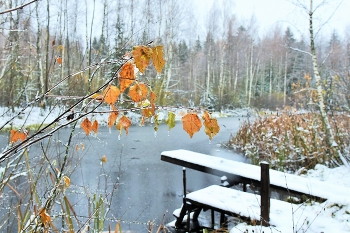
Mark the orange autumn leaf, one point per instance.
(124, 83)
(45, 217)
(94, 126)
(147, 112)
(191, 123)
(127, 71)
(153, 97)
(86, 125)
(66, 181)
(111, 94)
(112, 117)
(15, 136)
(138, 92)
(126, 76)
(104, 159)
(142, 54)
(124, 123)
(206, 116)
(158, 58)
(59, 60)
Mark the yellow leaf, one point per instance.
(104, 159)
(158, 58)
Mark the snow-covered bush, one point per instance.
(291, 140)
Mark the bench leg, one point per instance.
(212, 218)
(222, 220)
(196, 214)
(179, 220)
(189, 209)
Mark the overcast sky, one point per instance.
(270, 12)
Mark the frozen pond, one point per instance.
(146, 186)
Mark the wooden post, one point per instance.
(265, 194)
(184, 183)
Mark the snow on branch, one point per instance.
(17, 8)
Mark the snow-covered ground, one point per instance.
(330, 216)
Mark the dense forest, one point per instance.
(230, 66)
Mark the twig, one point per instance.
(17, 8)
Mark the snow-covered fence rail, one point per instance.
(238, 172)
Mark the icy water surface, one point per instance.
(143, 187)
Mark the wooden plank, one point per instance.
(235, 179)
(250, 174)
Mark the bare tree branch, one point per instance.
(299, 50)
(17, 8)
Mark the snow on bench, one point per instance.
(234, 202)
(251, 173)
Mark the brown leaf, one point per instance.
(45, 218)
(191, 123)
(147, 112)
(127, 71)
(158, 58)
(138, 92)
(15, 136)
(86, 125)
(142, 54)
(112, 117)
(95, 126)
(124, 83)
(111, 94)
(124, 123)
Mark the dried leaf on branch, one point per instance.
(211, 125)
(191, 123)
(16, 135)
(111, 94)
(124, 123)
(158, 58)
(142, 55)
(138, 92)
(86, 125)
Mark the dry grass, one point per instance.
(291, 140)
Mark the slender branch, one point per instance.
(17, 8)
(302, 51)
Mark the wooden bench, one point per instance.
(238, 172)
(236, 203)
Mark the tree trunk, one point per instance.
(330, 137)
(285, 80)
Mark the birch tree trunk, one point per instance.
(330, 137)
(285, 80)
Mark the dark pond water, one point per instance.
(140, 187)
